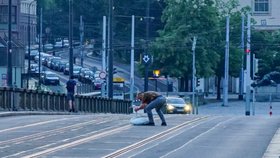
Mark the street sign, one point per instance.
(102, 75)
(146, 58)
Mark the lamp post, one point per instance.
(9, 69)
(28, 28)
(70, 38)
(147, 46)
(40, 46)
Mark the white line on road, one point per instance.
(195, 138)
(34, 124)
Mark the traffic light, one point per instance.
(114, 70)
(197, 82)
(156, 73)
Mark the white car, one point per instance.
(177, 105)
(50, 78)
(48, 46)
(58, 44)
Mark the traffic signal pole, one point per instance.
(241, 79)
(103, 54)
(132, 58)
(248, 68)
(195, 111)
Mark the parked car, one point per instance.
(50, 78)
(177, 105)
(34, 67)
(66, 69)
(86, 76)
(76, 71)
(58, 44)
(33, 53)
(52, 62)
(98, 83)
(82, 70)
(43, 57)
(48, 46)
(61, 65)
(65, 43)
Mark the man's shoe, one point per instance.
(150, 124)
(163, 124)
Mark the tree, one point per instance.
(172, 50)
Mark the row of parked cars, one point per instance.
(83, 74)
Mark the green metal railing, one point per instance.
(33, 100)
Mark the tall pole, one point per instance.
(248, 68)
(241, 80)
(103, 53)
(40, 45)
(225, 96)
(132, 58)
(29, 49)
(195, 111)
(110, 53)
(81, 40)
(10, 69)
(147, 46)
(70, 38)
(29, 41)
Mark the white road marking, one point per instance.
(195, 138)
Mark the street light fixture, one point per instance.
(29, 49)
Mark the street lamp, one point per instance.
(70, 38)
(9, 68)
(28, 27)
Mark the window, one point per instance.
(4, 14)
(261, 6)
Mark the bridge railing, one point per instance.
(34, 100)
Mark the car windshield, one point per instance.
(76, 69)
(88, 72)
(175, 101)
(51, 75)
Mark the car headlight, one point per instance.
(187, 108)
(170, 107)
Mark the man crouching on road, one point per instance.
(150, 100)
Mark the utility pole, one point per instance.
(82, 40)
(225, 96)
(193, 77)
(248, 68)
(241, 80)
(70, 38)
(40, 46)
(9, 78)
(110, 53)
(146, 56)
(103, 54)
(132, 58)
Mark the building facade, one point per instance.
(265, 12)
(21, 10)
(4, 18)
(28, 17)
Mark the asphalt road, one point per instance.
(107, 135)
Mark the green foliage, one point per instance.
(171, 31)
(265, 44)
